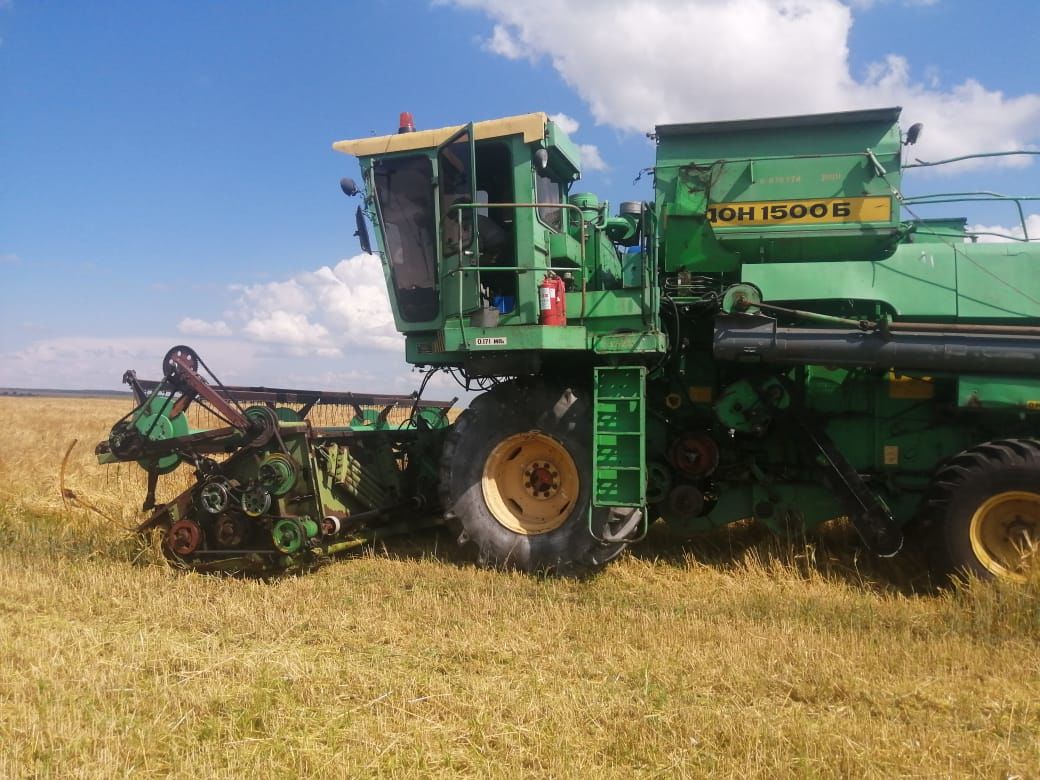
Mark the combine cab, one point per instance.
(776, 336)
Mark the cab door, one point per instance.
(458, 240)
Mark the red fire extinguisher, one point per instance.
(552, 301)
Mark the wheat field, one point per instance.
(736, 655)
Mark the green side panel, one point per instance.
(619, 437)
(564, 250)
(994, 392)
(561, 142)
(431, 349)
(998, 281)
(513, 338)
(629, 343)
(689, 242)
(914, 282)
(967, 281)
(939, 231)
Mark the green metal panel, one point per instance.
(619, 437)
(789, 188)
(939, 231)
(945, 280)
(914, 281)
(996, 281)
(994, 392)
(454, 344)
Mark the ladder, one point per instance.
(619, 437)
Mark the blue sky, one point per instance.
(166, 173)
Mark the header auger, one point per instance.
(776, 335)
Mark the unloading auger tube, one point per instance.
(273, 489)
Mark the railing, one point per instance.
(518, 269)
(980, 196)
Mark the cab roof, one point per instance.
(531, 126)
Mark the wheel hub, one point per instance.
(1005, 533)
(530, 483)
(541, 480)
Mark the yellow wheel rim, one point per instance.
(530, 483)
(1005, 533)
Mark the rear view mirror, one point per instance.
(362, 231)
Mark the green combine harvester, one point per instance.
(776, 336)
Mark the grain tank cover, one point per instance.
(811, 187)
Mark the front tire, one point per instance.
(984, 512)
(516, 481)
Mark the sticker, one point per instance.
(801, 212)
(495, 341)
(908, 387)
(701, 394)
(891, 455)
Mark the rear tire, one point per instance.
(516, 481)
(983, 512)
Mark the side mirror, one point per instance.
(362, 230)
(913, 134)
(348, 186)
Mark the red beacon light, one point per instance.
(406, 124)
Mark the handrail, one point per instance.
(919, 163)
(518, 268)
(979, 196)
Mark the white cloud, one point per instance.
(753, 58)
(865, 4)
(266, 298)
(325, 311)
(90, 362)
(283, 327)
(591, 159)
(193, 327)
(503, 43)
(10, 259)
(568, 124)
(997, 232)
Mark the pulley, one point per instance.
(215, 496)
(277, 473)
(290, 535)
(184, 537)
(230, 530)
(694, 454)
(256, 501)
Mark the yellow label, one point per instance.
(701, 394)
(910, 387)
(822, 211)
(1032, 404)
(891, 454)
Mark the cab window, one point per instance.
(548, 191)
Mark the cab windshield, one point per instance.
(404, 193)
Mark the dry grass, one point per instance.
(733, 656)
